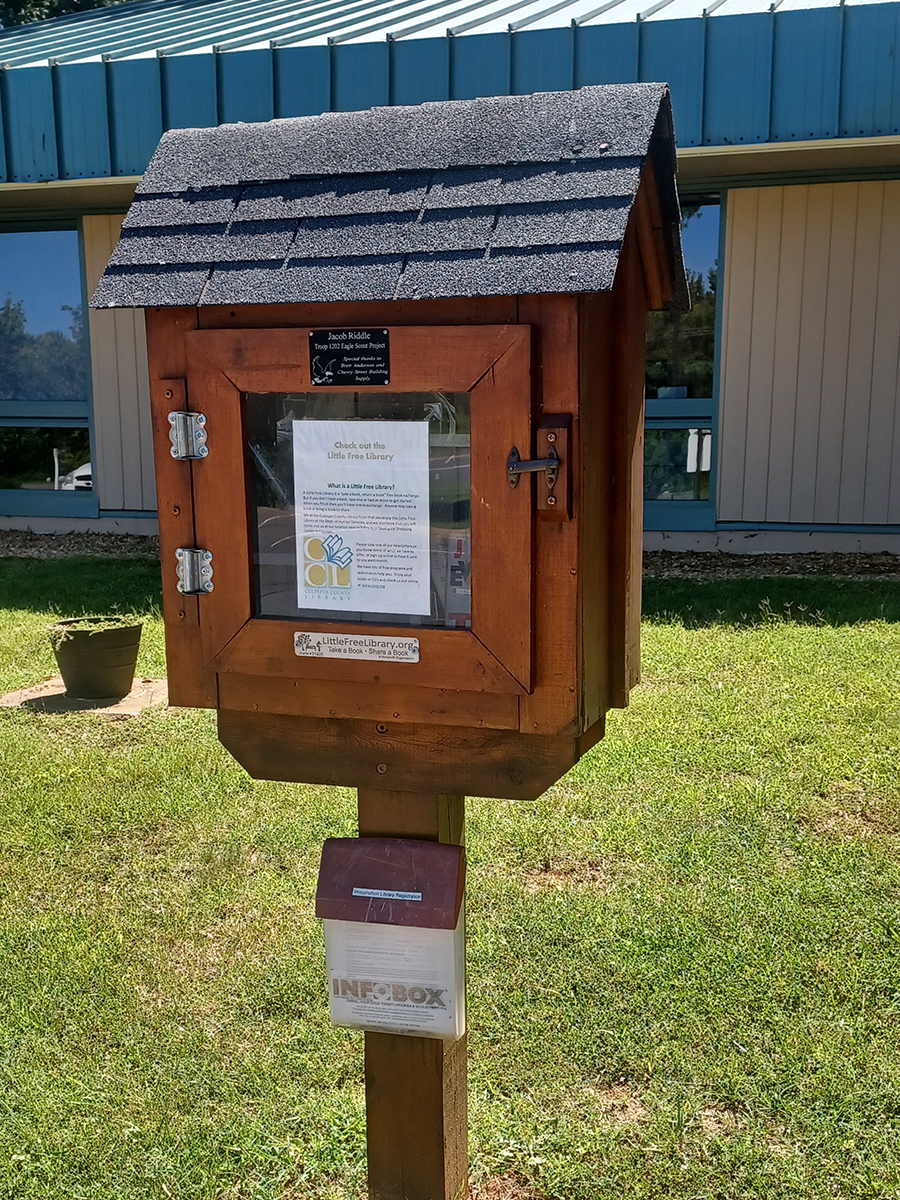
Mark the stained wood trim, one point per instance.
(648, 222)
(478, 310)
(490, 362)
(598, 398)
(448, 658)
(368, 701)
(191, 682)
(552, 706)
(423, 358)
(414, 757)
(502, 517)
(416, 1101)
(220, 503)
(627, 472)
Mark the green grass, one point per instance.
(684, 960)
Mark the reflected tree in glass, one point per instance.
(681, 347)
(41, 366)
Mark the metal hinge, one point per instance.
(188, 435)
(194, 571)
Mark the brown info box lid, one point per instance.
(380, 870)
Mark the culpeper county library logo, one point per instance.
(327, 562)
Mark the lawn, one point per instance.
(684, 960)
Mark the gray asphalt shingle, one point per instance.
(500, 196)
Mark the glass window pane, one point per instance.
(676, 464)
(42, 459)
(383, 514)
(42, 353)
(681, 346)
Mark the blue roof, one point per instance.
(89, 95)
(175, 27)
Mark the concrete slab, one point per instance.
(50, 697)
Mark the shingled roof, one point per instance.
(503, 196)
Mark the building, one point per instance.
(772, 413)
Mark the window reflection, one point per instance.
(45, 459)
(681, 346)
(42, 355)
(677, 463)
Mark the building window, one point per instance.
(681, 372)
(676, 463)
(44, 377)
(45, 458)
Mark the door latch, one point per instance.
(555, 489)
(188, 436)
(515, 467)
(194, 571)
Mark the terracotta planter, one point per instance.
(96, 664)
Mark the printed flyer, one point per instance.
(363, 521)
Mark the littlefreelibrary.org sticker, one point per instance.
(356, 645)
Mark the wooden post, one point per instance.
(416, 1098)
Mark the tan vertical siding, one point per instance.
(810, 334)
(123, 446)
(740, 269)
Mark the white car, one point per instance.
(78, 480)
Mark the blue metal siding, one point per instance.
(748, 78)
(135, 112)
(420, 70)
(738, 79)
(30, 128)
(360, 75)
(302, 81)
(607, 54)
(189, 91)
(246, 86)
(806, 77)
(543, 61)
(480, 66)
(870, 84)
(675, 51)
(81, 120)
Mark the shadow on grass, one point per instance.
(812, 600)
(74, 587)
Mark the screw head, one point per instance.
(551, 500)
(381, 768)
(551, 437)
(380, 727)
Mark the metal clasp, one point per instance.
(516, 467)
(188, 435)
(194, 571)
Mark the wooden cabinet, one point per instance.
(504, 701)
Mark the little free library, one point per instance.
(397, 381)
